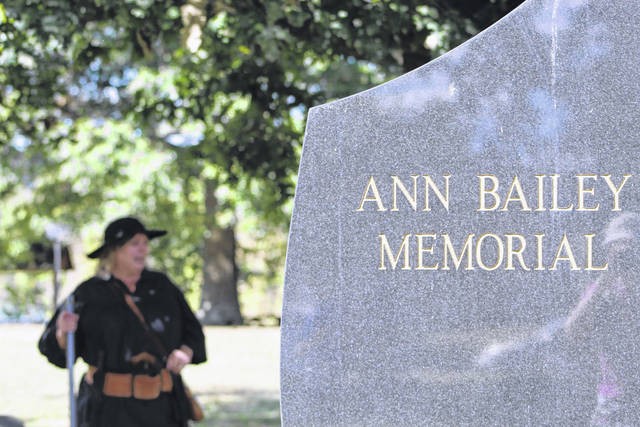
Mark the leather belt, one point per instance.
(145, 387)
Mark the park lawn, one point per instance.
(238, 385)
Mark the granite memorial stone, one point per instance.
(464, 243)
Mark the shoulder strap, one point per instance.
(132, 305)
(134, 308)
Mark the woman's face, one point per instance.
(131, 257)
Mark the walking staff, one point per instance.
(56, 233)
(71, 359)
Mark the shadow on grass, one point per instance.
(240, 409)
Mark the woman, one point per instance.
(134, 329)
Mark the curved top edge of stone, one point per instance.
(514, 14)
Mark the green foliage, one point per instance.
(22, 298)
(130, 106)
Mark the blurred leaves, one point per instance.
(23, 300)
(128, 106)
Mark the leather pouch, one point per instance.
(117, 385)
(146, 387)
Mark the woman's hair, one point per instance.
(106, 263)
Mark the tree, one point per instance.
(221, 87)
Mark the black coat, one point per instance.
(109, 333)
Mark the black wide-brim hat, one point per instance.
(121, 231)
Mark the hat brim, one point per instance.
(151, 234)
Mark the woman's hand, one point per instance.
(179, 358)
(66, 322)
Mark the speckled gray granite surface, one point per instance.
(462, 248)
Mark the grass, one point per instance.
(238, 385)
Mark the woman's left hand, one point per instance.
(179, 358)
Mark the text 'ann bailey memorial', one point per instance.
(465, 241)
(509, 249)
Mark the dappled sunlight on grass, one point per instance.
(250, 409)
(238, 385)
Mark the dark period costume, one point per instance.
(112, 340)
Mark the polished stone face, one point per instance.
(463, 248)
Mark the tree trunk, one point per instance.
(219, 301)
